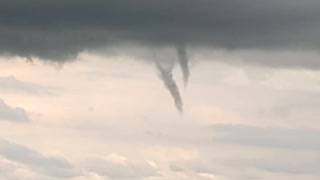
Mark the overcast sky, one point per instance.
(159, 90)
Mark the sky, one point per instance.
(159, 90)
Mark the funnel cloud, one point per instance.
(170, 84)
(184, 63)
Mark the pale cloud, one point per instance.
(19, 160)
(13, 170)
(10, 84)
(37, 162)
(305, 139)
(240, 122)
(13, 114)
(118, 167)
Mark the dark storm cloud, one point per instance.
(60, 29)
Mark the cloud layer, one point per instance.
(41, 166)
(60, 29)
(239, 123)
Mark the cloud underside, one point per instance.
(60, 29)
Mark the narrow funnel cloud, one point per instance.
(168, 81)
(184, 62)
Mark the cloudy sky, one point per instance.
(159, 90)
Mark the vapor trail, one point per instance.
(184, 62)
(170, 84)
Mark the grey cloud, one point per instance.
(256, 168)
(50, 166)
(305, 139)
(18, 161)
(276, 58)
(12, 85)
(61, 29)
(281, 166)
(14, 114)
(176, 168)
